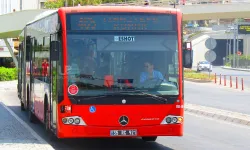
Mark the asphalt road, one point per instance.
(234, 73)
(217, 96)
(199, 133)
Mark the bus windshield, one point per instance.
(107, 62)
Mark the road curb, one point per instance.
(219, 114)
(197, 80)
(229, 68)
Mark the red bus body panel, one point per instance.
(145, 118)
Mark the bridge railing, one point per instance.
(163, 3)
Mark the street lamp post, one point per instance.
(21, 4)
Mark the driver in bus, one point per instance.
(150, 73)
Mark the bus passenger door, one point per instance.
(20, 66)
(54, 69)
(33, 76)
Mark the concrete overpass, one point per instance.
(215, 11)
(13, 23)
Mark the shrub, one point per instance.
(8, 74)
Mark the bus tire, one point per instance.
(149, 139)
(32, 117)
(22, 106)
(51, 135)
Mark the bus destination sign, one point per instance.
(127, 22)
(244, 29)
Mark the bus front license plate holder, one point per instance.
(123, 132)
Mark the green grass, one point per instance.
(194, 34)
(191, 74)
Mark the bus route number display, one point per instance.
(244, 29)
(111, 22)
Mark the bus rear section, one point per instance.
(123, 76)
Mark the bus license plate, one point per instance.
(123, 132)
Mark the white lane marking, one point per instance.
(39, 138)
(221, 121)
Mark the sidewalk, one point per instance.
(15, 134)
(8, 85)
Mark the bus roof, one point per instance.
(142, 9)
(120, 8)
(43, 15)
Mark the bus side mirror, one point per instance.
(187, 55)
(187, 58)
(54, 50)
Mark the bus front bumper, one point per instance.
(70, 131)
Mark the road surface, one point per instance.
(217, 96)
(199, 133)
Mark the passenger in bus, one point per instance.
(104, 65)
(45, 69)
(150, 73)
(89, 63)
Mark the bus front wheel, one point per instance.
(149, 139)
(22, 106)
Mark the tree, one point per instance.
(50, 4)
(54, 4)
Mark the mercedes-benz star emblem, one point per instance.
(123, 120)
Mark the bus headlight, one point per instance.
(174, 120)
(64, 120)
(168, 120)
(171, 119)
(77, 121)
(73, 120)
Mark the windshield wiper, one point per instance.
(158, 98)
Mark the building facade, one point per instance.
(7, 6)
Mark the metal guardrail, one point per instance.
(163, 3)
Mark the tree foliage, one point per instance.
(54, 4)
(50, 4)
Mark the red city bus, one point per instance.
(104, 71)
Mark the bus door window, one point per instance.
(45, 71)
(55, 81)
